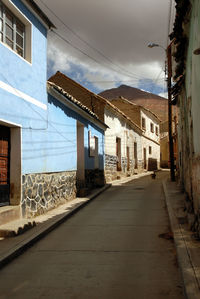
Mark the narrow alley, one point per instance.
(112, 248)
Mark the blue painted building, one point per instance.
(40, 158)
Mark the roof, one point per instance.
(40, 13)
(130, 108)
(71, 98)
(84, 96)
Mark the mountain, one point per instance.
(153, 102)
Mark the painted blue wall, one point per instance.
(17, 72)
(48, 136)
(54, 149)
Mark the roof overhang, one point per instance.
(64, 99)
(36, 10)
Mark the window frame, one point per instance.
(152, 127)
(27, 34)
(150, 150)
(157, 130)
(12, 26)
(143, 123)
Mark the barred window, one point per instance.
(12, 30)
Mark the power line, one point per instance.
(147, 81)
(88, 44)
(87, 55)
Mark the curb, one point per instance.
(45, 229)
(186, 266)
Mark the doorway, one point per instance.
(4, 165)
(118, 153)
(135, 155)
(128, 158)
(145, 158)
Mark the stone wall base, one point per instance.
(111, 172)
(94, 178)
(45, 191)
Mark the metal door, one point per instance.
(4, 165)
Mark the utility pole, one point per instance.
(171, 145)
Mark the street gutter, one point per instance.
(185, 261)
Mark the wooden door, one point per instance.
(128, 158)
(118, 153)
(4, 165)
(135, 155)
(145, 158)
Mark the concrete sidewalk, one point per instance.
(12, 247)
(188, 249)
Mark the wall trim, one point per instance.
(22, 95)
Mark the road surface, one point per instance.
(112, 248)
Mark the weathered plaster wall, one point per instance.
(148, 132)
(189, 128)
(119, 127)
(154, 155)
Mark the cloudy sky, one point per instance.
(103, 43)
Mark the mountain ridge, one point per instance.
(153, 102)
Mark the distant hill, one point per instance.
(151, 101)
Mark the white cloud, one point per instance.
(163, 94)
(120, 30)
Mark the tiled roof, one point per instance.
(72, 99)
(84, 96)
(129, 108)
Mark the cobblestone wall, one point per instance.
(110, 168)
(111, 172)
(42, 192)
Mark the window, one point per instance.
(150, 150)
(152, 127)
(156, 130)
(143, 123)
(12, 30)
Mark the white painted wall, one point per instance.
(155, 154)
(119, 127)
(146, 142)
(148, 132)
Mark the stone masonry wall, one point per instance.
(111, 172)
(94, 178)
(45, 191)
(110, 168)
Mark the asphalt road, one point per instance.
(112, 248)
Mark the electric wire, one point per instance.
(87, 43)
(87, 55)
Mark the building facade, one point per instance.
(51, 145)
(23, 105)
(149, 123)
(93, 138)
(123, 145)
(186, 96)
